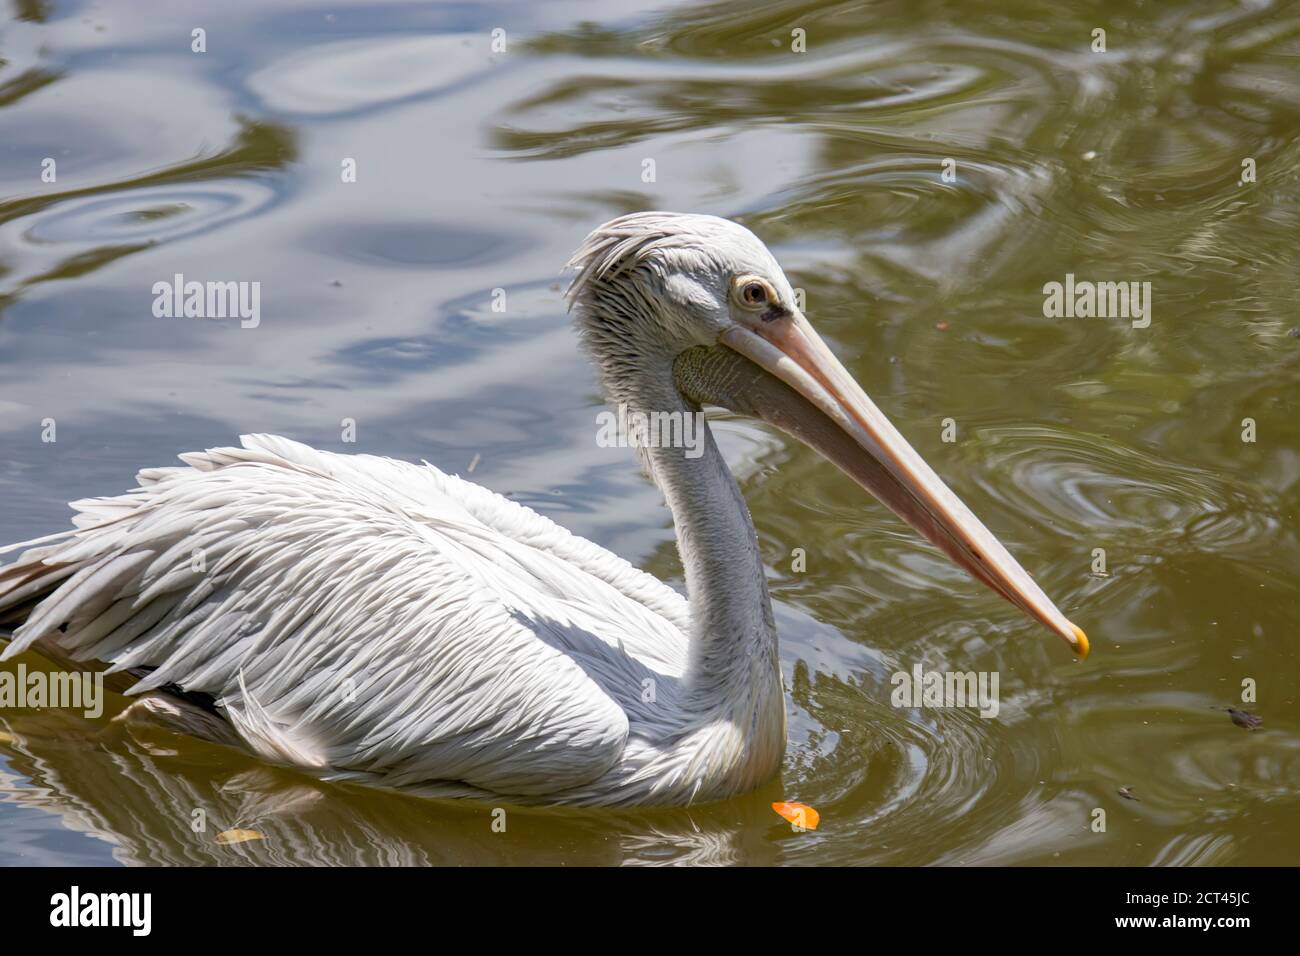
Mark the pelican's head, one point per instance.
(702, 300)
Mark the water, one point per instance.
(481, 171)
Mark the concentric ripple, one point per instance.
(152, 214)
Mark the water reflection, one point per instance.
(65, 234)
(154, 802)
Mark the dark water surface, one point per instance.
(480, 171)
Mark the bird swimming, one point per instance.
(381, 622)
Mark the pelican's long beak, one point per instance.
(878, 457)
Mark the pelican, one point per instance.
(381, 622)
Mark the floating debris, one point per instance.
(1245, 719)
(474, 462)
(227, 837)
(943, 326)
(800, 815)
(1127, 794)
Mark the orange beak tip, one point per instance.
(1081, 646)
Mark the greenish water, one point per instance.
(479, 171)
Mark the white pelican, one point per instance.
(377, 621)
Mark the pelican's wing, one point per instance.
(357, 613)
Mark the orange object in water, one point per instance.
(800, 814)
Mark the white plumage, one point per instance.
(375, 620)
(383, 622)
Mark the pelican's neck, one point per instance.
(733, 649)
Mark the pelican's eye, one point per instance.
(752, 292)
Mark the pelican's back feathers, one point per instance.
(359, 614)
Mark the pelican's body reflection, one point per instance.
(161, 798)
